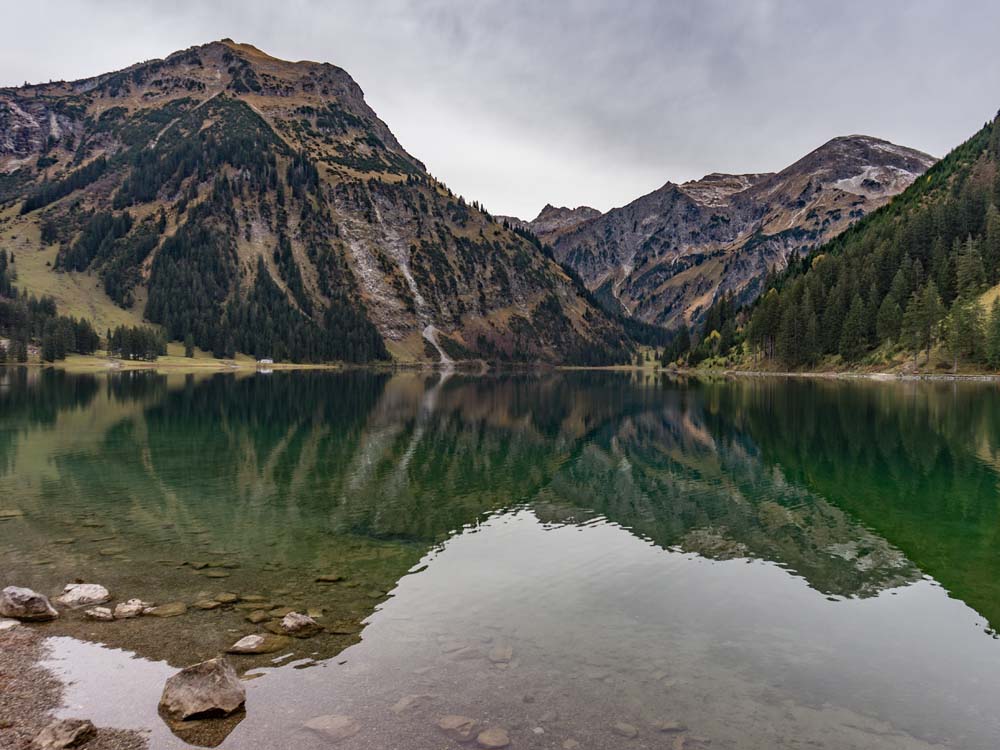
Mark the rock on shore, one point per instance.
(64, 733)
(25, 604)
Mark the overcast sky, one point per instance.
(518, 104)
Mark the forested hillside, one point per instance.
(909, 278)
(245, 203)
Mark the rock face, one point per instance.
(334, 728)
(551, 223)
(83, 595)
(210, 688)
(374, 253)
(64, 733)
(665, 257)
(25, 604)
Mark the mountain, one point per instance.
(667, 256)
(551, 223)
(248, 203)
(903, 280)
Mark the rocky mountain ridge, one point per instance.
(665, 257)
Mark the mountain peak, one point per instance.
(667, 255)
(301, 227)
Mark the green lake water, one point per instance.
(771, 563)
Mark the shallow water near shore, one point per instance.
(758, 563)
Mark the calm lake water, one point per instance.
(770, 563)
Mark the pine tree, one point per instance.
(991, 243)
(852, 337)
(964, 327)
(189, 346)
(889, 320)
(922, 319)
(969, 271)
(993, 336)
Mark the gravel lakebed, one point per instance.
(30, 696)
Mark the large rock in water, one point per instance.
(210, 688)
(25, 604)
(83, 595)
(62, 734)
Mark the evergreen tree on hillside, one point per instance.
(922, 318)
(971, 276)
(853, 336)
(993, 336)
(965, 330)
(991, 243)
(889, 321)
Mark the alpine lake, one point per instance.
(584, 559)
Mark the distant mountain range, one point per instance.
(250, 204)
(666, 257)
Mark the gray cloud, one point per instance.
(520, 103)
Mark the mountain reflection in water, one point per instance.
(765, 561)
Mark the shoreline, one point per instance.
(31, 696)
(204, 365)
(878, 376)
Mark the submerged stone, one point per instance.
(494, 737)
(668, 727)
(227, 597)
(329, 578)
(501, 653)
(334, 728)
(410, 703)
(626, 730)
(259, 644)
(171, 609)
(458, 728)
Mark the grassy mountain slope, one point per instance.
(260, 205)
